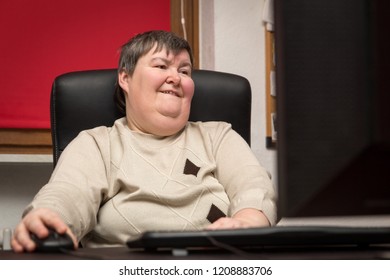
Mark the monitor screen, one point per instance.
(333, 120)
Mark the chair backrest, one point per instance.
(85, 99)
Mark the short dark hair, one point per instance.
(140, 45)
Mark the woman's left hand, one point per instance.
(244, 218)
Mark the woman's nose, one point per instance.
(173, 77)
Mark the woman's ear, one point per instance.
(123, 80)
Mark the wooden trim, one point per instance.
(25, 141)
(191, 16)
(270, 99)
(38, 141)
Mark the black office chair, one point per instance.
(85, 99)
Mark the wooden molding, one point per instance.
(270, 99)
(191, 16)
(38, 141)
(25, 141)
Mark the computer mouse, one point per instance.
(54, 242)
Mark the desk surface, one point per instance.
(123, 253)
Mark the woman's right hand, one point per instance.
(37, 222)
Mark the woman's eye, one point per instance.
(185, 72)
(161, 66)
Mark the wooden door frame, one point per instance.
(191, 19)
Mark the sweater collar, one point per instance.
(146, 139)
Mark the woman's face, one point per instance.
(159, 92)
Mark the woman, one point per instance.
(153, 169)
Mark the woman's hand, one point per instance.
(37, 221)
(244, 218)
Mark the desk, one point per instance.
(123, 253)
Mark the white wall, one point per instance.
(232, 39)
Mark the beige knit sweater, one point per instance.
(113, 183)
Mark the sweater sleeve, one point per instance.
(246, 182)
(79, 182)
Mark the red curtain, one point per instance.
(44, 38)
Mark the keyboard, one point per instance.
(262, 237)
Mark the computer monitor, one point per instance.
(333, 107)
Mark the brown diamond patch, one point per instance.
(190, 168)
(214, 214)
